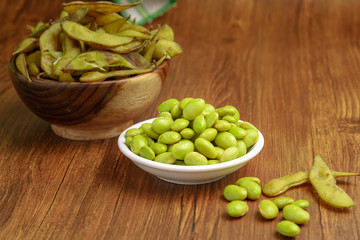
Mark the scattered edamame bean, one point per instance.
(281, 202)
(237, 208)
(253, 189)
(302, 203)
(268, 209)
(288, 228)
(234, 192)
(295, 214)
(254, 179)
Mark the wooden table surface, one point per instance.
(290, 67)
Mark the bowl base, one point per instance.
(184, 182)
(96, 134)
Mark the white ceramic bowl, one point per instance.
(188, 175)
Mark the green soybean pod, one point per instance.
(242, 148)
(241, 180)
(169, 137)
(281, 202)
(187, 133)
(220, 151)
(195, 159)
(179, 124)
(133, 132)
(295, 214)
(137, 143)
(159, 148)
(288, 228)
(239, 133)
(184, 101)
(211, 118)
(251, 138)
(167, 105)
(209, 134)
(161, 125)
(199, 124)
(176, 111)
(268, 209)
(225, 140)
(165, 157)
(229, 154)
(147, 152)
(237, 208)
(253, 189)
(205, 147)
(222, 125)
(149, 131)
(302, 203)
(234, 192)
(193, 108)
(180, 149)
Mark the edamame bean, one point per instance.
(165, 114)
(302, 203)
(193, 108)
(167, 105)
(180, 149)
(169, 137)
(176, 111)
(251, 138)
(295, 214)
(213, 161)
(159, 148)
(281, 202)
(242, 148)
(137, 143)
(195, 159)
(128, 141)
(288, 228)
(147, 152)
(205, 147)
(268, 209)
(161, 125)
(253, 189)
(229, 119)
(184, 101)
(149, 131)
(211, 118)
(133, 132)
(237, 208)
(179, 124)
(225, 140)
(241, 180)
(229, 154)
(246, 126)
(209, 134)
(165, 157)
(187, 133)
(199, 124)
(234, 192)
(220, 151)
(239, 133)
(222, 125)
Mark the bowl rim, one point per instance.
(35, 80)
(254, 150)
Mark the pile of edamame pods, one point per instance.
(191, 132)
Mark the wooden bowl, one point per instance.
(89, 111)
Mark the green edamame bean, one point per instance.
(137, 143)
(176, 111)
(161, 125)
(209, 134)
(165, 114)
(241, 180)
(231, 110)
(230, 119)
(268, 209)
(199, 124)
(213, 161)
(179, 162)
(222, 125)
(149, 131)
(253, 189)
(187, 133)
(184, 101)
(193, 108)
(251, 138)
(147, 152)
(149, 139)
(225, 140)
(234, 192)
(229, 154)
(180, 149)
(220, 151)
(242, 148)
(195, 159)
(167, 105)
(169, 137)
(288, 228)
(209, 108)
(179, 124)
(159, 148)
(295, 214)
(246, 126)
(211, 118)
(239, 133)
(165, 157)
(281, 202)
(128, 141)
(133, 132)
(205, 147)
(302, 203)
(237, 208)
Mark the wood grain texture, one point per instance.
(290, 67)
